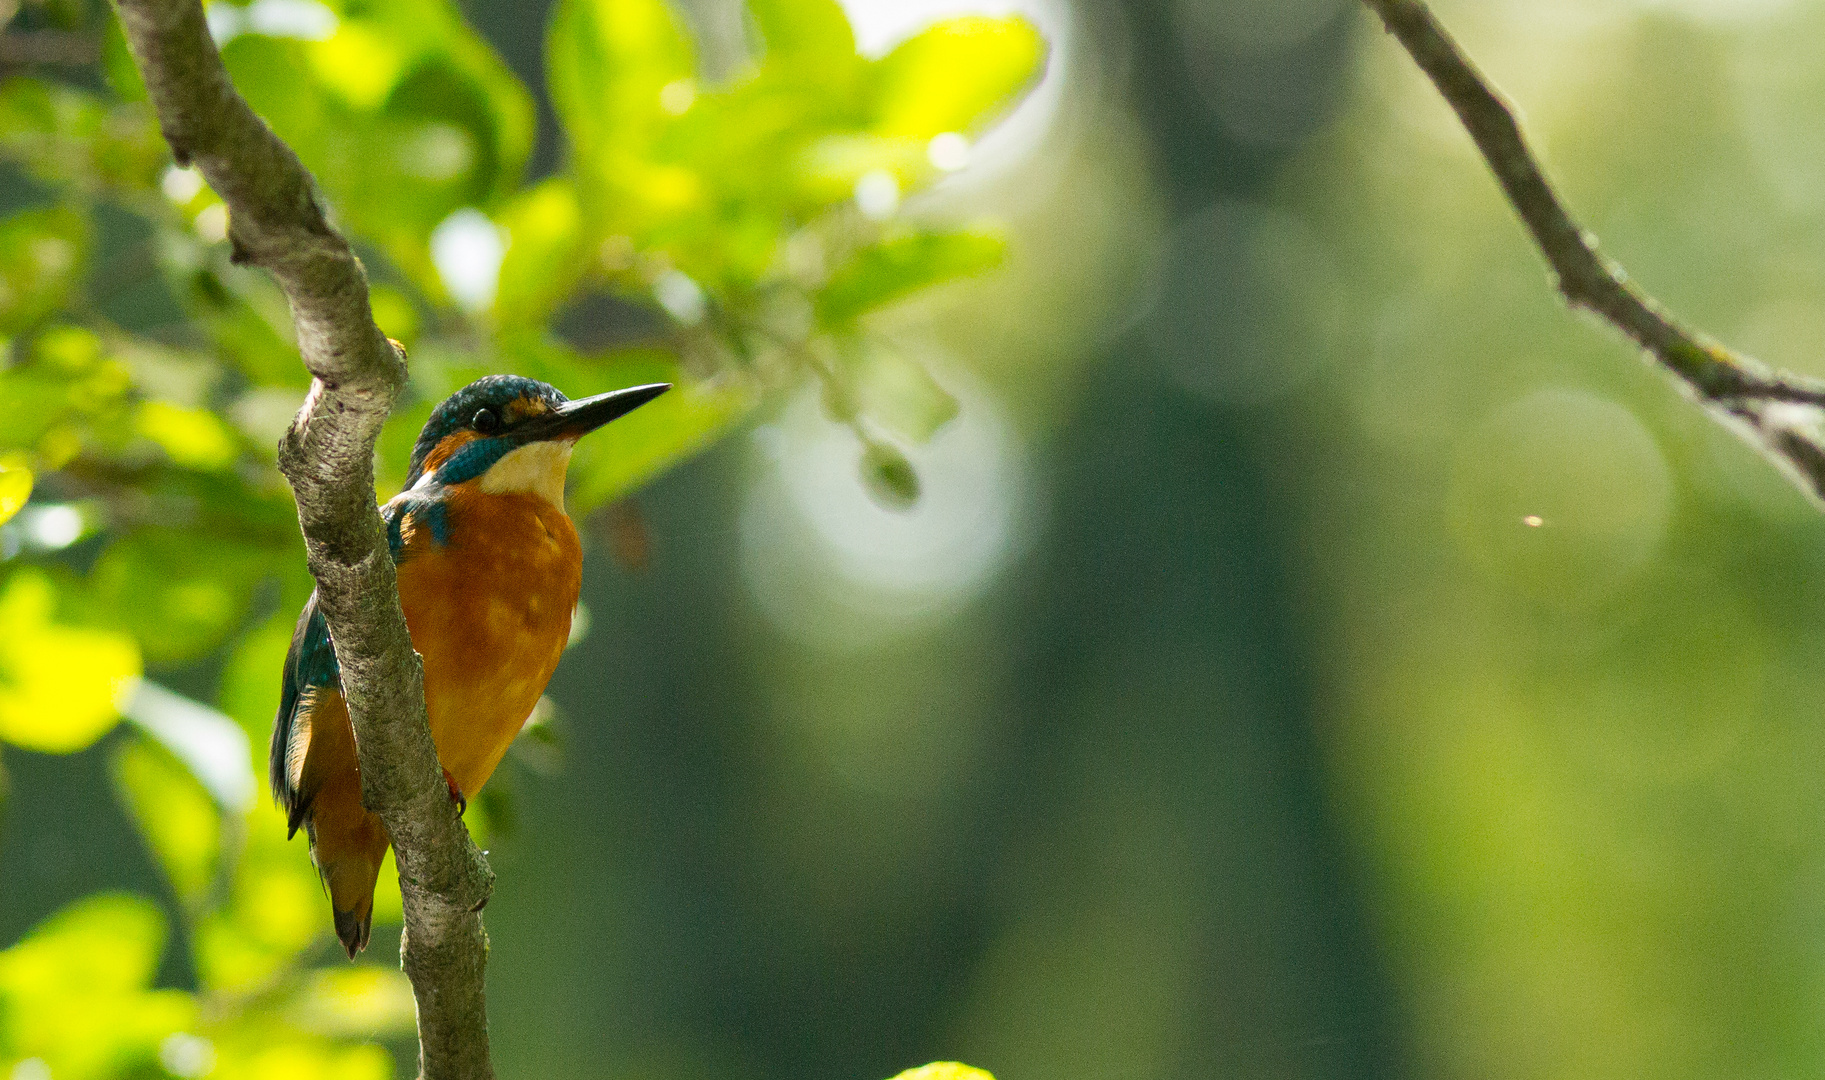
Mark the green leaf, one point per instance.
(958, 75)
(621, 457)
(72, 139)
(211, 747)
(259, 1051)
(902, 265)
(804, 32)
(944, 1070)
(276, 909)
(73, 992)
(42, 253)
(898, 393)
(61, 686)
(179, 592)
(193, 438)
(609, 63)
(15, 485)
(363, 1001)
(548, 253)
(175, 816)
(890, 478)
(250, 685)
(107, 944)
(403, 114)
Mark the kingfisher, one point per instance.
(489, 568)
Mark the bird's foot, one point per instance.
(456, 794)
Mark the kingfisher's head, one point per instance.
(510, 433)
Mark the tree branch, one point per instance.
(277, 222)
(1779, 413)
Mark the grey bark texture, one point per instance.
(277, 222)
(1781, 414)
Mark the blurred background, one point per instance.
(1314, 652)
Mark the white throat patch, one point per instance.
(536, 468)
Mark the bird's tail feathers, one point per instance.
(349, 853)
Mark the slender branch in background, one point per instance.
(277, 222)
(52, 48)
(1779, 413)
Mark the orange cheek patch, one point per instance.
(525, 408)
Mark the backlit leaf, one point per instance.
(193, 438)
(61, 686)
(805, 32)
(903, 265)
(276, 908)
(363, 1001)
(178, 596)
(944, 1070)
(73, 992)
(547, 253)
(15, 486)
(958, 75)
(175, 816)
(610, 64)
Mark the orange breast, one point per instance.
(490, 613)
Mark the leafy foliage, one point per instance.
(144, 380)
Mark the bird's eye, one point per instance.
(485, 421)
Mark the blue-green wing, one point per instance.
(311, 665)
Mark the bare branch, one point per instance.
(1779, 413)
(50, 48)
(276, 222)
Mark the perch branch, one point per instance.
(277, 222)
(1777, 412)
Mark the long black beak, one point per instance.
(575, 419)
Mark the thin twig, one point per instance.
(50, 48)
(277, 222)
(1779, 413)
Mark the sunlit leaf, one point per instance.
(293, 1058)
(178, 596)
(73, 992)
(547, 253)
(15, 486)
(944, 1070)
(403, 114)
(805, 32)
(276, 909)
(903, 265)
(609, 64)
(957, 75)
(61, 686)
(364, 1000)
(210, 746)
(174, 815)
(190, 437)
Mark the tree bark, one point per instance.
(1781, 414)
(277, 222)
